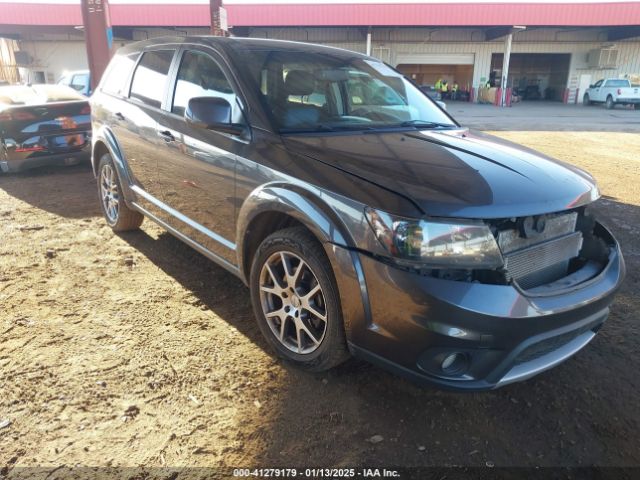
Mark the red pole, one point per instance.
(214, 13)
(97, 32)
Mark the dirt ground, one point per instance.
(126, 350)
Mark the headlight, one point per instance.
(436, 243)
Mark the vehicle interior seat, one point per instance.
(299, 83)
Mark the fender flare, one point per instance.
(301, 204)
(311, 210)
(105, 136)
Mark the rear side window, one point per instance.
(200, 76)
(617, 83)
(117, 74)
(150, 77)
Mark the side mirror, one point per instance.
(212, 113)
(591, 86)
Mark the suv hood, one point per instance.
(454, 173)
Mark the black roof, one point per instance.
(237, 44)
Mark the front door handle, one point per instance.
(167, 136)
(119, 116)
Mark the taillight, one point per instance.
(619, 92)
(36, 148)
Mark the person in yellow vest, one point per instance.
(438, 85)
(444, 89)
(454, 91)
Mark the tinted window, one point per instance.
(598, 83)
(200, 76)
(117, 74)
(150, 77)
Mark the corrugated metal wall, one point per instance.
(393, 42)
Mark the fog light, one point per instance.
(454, 363)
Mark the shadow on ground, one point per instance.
(581, 413)
(69, 192)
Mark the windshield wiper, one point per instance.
(321, 127)
(425, 124)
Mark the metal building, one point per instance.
(555, 49)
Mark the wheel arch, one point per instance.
(104, 141)
(275, 206)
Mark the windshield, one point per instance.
(325, 92)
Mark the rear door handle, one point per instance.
(167, 136)
(119, 116)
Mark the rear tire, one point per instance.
(585, 100)
(118, 216)
(610, 104)
(296, 301)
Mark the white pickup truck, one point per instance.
(612, 92)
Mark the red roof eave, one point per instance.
(266, 15)
(436, 14)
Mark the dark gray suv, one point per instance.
(362, 217)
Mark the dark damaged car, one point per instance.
(363, 218)
(43, 125)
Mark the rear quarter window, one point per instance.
(115, 78)
(150, 77)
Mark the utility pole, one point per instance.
(218, 16)
(97, 35)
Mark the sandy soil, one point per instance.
(132, 349)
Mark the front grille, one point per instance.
(547, 346)
(544, 257)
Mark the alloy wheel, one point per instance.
(293, 302)
(109, 193)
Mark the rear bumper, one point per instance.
(41, 160)
(629, 101)
(503, 335)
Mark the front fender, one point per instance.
(315, 211)
(298, 203)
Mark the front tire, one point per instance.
(610, 104)
(118, 216)
(296, 301)
(585, 100)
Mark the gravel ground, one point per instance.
(132, 349)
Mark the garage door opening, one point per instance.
(534, 76)
(427, 69)
(430, 74)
